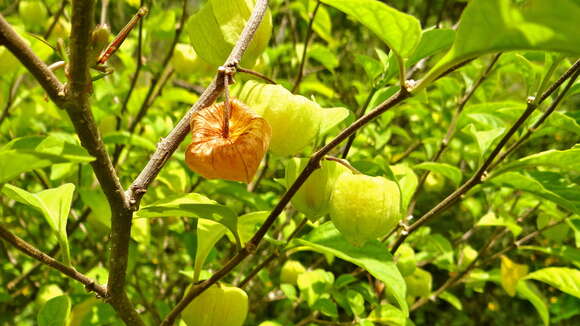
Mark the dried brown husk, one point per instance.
(235, 156)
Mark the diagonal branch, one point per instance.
(31, 251)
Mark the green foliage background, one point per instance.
(348, 65)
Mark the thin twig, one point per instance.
(32, 252)
(358, 114)
(257, 74)
(55, 18)
(309, 30)
(11, 95)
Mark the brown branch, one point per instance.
(15, 44)
(169, 144)
(478, 176)
(32, 252)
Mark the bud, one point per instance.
(364, 208)
(235, 156)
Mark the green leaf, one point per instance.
(249, 223)
(484, 139)
(192, 205)
(126, 138)
(374, 257)
(401, 32)
(55, 312)
(208, 234)
(528, 291)
(574, 223)
(490, 219)
(449, 171)
(546, 185)
(52, 145)
(55, 206)
(511, 273)
(432, 41)
(387, 314)
(566, 160)
(314, 285)
(408, 182)
(563, 278)
(488, 26)
(331, 117)
(570, 254)
(452, 299)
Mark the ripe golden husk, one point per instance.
(235, 156)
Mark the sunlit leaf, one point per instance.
(563, 278)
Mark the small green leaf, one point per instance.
(401, 32)
(432, 42)
(314, 285)
(484, 139)
(388, 315)
(55, 206)
(192, 205)
(511, 273)
(563, 278)
(55, 312)
(490, 219)
(449, 171)
(331, 117)
(373, 257)
(452, 299)
(249, 223)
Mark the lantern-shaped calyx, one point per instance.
(231, 151)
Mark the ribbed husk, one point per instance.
(235, 157)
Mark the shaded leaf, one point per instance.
(55, 312)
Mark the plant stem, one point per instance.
(300, 74)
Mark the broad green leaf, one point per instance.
(439, 249)
(401, 32)
(432, 42)
(52, 145)
(563, 278)
(215, 29)
(192, 205)
(511, 273)
(546, 185)
(566, 160)
(452, 299)
(490, 219)
(373, 257)
(528, 291)
(81, 311)
(488, 26)
(125, 138)
(326, 306)
(55, 206)
(208, 234)
(35, 152)
(449, 171)
(331, 117)
(323, 55)
(55, 312)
